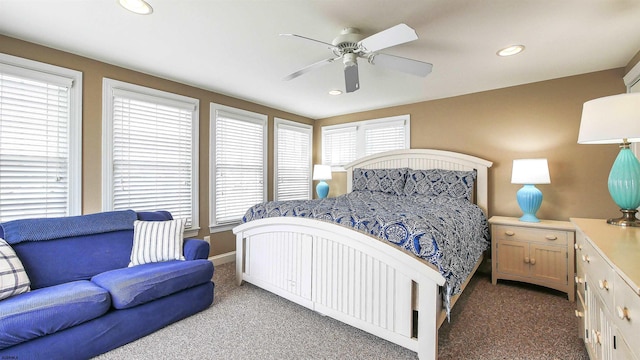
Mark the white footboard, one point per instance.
(345, 274)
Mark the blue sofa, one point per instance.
(84, 299)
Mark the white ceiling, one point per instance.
(233, 48)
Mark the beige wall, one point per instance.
(534, 120)
(93, 72)
(528, 121)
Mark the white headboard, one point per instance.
(423, 159)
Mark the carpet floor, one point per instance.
(504, 321)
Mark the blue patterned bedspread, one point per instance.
(449, 233)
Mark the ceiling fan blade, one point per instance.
(352, 83)
(330, 46)
(396, 35)
(308, 68)
(409, 66)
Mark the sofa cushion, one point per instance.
(157, 241)
(13, 278)
(48, 310)
(143, 283)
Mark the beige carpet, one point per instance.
(505, 321)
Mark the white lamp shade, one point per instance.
(611, 119)
(530, 171)
(321, 172)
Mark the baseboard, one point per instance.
(223, 258)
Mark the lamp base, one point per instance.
(628, 218)
(322, 189)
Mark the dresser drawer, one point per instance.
(599, 275)
(528, 234)
(627, 311)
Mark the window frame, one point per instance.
(39, 70)
(147, 94)
(361, 127)
(303, 128)
(244, 115)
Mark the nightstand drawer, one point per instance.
(627, 309)
(599, 275)
(515, 233)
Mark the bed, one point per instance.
(362, 280)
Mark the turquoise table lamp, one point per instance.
(530, 172)
(322, 173)
(616, 120)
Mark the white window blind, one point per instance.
(339, 145)
(239, 163)
(39, 154)
(384, 137)
(292, 160)
(153, 153)
(342, 144)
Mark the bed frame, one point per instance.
(352, 277)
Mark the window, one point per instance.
(150, 151)
(40, 139)
(238, 164)
(342, 144)
(292, 150)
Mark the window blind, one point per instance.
(239, 165)
(385, 137)
(342, 144)
(293, 162)
(34, 147)
(339, 145)
(152, 155)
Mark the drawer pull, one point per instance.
(509, 233)
(586, 258)
(596, 336)
(577, 246)
(579, 314)
(603, 284)
(579, 280)
(551, 237)
(623, 313)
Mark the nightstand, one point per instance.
(539, 253)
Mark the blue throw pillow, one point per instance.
(390, 181)
(438, 182)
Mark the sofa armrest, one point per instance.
(195, 249)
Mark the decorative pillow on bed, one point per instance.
(157, 241)
(390, 181)
(13, 278)
(439, 182)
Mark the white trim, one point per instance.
(73, 79)
(223, 258)
(111, 88)
(633, 76)
(631, 79)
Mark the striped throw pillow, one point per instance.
(13, 278)
(157, 241)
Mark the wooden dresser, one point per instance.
(608, 288)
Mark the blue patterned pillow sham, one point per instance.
(390, 181)
(438, 182)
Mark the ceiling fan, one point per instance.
(350, 45)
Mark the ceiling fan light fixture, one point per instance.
(140, 7)
(511, 50)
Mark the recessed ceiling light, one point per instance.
(511, 50)
(137, 6)
(335, 92)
